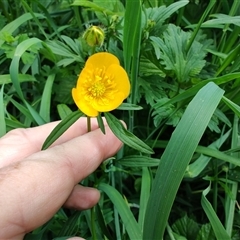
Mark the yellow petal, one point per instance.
(120, 78)
(82, 104)
(102, 59)
(113, 104)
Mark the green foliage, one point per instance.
(180, 57)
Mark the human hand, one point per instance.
(34, 184)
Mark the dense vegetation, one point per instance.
(182, 58)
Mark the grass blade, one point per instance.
(127, 217)
(176, 157)
(46, 98)
(2, 114)
(217, 226)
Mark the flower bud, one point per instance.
(94, 36)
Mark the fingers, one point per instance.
(48, 178)
(21, 143)
(82, 198)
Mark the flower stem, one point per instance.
(94, 235)
(89, 124)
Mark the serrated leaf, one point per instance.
(186, 227)
(184, 64)
(61, 128)
(205, 233)
(125, 136)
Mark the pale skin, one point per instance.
(34, 184)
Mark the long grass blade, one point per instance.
(176, 157)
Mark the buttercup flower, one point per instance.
(102, 85)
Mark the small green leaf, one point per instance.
(61, 128)
(63, 110)
(125, 136)
(100, 123)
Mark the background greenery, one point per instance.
(183, 59)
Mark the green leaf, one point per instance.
(100, 123)
(186, 227)
(61, 128)
(195, 168)
(205, 233)
(124, 211)
(63, 110)
(174, 57)
(217, 226)
(46, 98)
(176, 157)
(12, 26)
(146, 184)
(138, 161)
(235, 108)
(125, 136)
(14, 67)
(129, 106)
(221, 20)
(2, 114)
(6, 78)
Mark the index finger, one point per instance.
(21, 143)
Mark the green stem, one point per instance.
(115, 212)
(89, 124)
(94, 235)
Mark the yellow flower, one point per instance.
(102, 85)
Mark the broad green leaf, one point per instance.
(46, 98)
(61, 128)
(14, 67)
(176, 157)
(5, 78)
(217, 226)
(124, 211)
(125, 136)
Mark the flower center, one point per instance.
(97, 89)
(99, 86)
